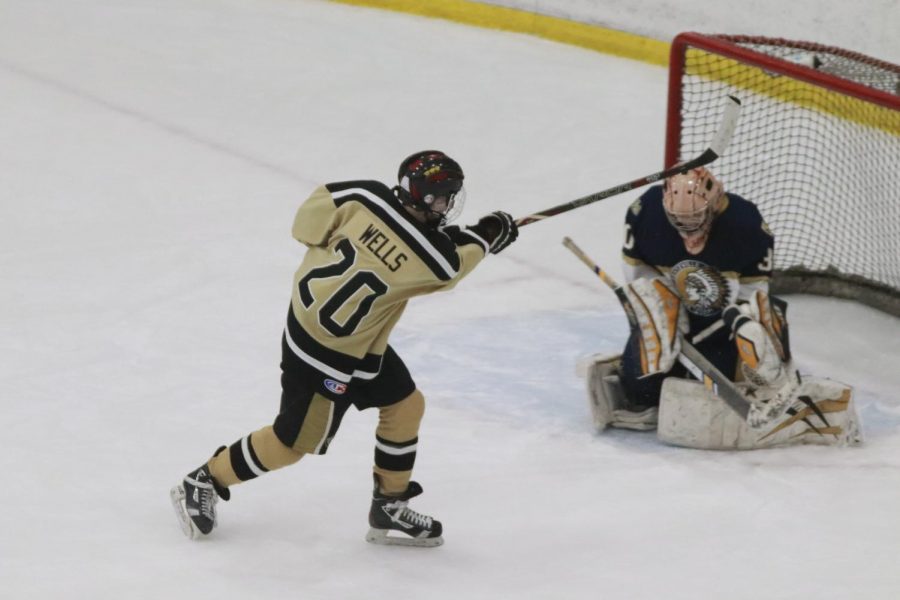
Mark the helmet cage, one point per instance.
(691, 200)
(691, 221)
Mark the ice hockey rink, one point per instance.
(153, 154)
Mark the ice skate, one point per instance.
(194, 500)
(394, 523)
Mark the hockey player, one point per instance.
(710, 249)
(370, 249)
(697, 264)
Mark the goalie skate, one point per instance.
(393, 523)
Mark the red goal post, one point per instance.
(817, 149)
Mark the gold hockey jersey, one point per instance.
(367, 257)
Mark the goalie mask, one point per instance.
(691, 201)
(432, 183)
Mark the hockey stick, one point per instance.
(716, 147)
(689, 356)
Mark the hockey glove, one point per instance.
(660, 316)
(771, 312)
(761, 361)
(499, 229)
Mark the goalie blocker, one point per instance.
(822, 411)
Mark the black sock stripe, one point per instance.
(253, 455)
(240, 466)
(394, 462)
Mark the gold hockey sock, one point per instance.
(250, 457)
(396, 439)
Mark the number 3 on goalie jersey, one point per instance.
(767, 263)
(340, 296)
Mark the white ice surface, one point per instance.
(153, 154)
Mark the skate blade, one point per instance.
(187, 525)
(380, 536)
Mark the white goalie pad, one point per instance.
(606, 397)
(822, 412)
(660, 316)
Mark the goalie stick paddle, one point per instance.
(690, 357)
(716, 147)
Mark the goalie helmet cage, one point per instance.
(817, 150)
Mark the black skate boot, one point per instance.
(391, 513)
(195, 500)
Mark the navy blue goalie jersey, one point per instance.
(736, 260)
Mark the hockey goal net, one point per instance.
(817, 149)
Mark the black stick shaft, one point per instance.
(695, 362)
(716, 147)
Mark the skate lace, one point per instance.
(208, 500)
(420, 520)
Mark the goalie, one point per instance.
(697, 263)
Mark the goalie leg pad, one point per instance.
(659, 315)
(603, 395)
(822, 412)
(609, 407)
(644, 420)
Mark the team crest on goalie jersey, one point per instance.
(703, 288)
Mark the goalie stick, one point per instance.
(716, 147)
(689, 356)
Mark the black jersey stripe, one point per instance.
(337, 365)
(444, 264)
(478, 239)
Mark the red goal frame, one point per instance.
(794, 278)
(727, 45)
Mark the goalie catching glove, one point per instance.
(761, 336)
(659, 317)
(759, 340)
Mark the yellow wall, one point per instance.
(593, 37)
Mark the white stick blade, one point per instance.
(730, 115)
